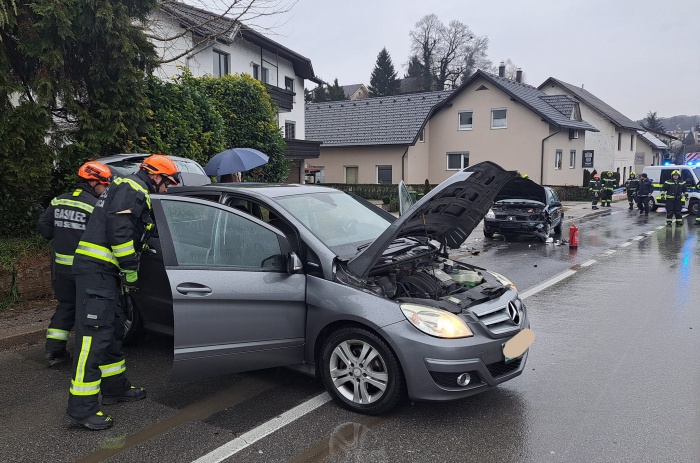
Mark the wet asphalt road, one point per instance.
(613, 376)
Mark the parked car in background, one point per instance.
(122, 165)
(250, 276)
(524, 208)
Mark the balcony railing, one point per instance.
(302, 149)
(283, 98)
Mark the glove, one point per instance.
(130, 279)
(663, 196)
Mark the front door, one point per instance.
(235, 307)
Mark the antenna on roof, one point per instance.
(581, 86)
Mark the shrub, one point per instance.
(386, 199)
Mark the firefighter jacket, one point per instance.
(674, 189)
(64, 221)
(112, 238)
(632, 184)
(645, 188)
(594, 186)
(609, 183)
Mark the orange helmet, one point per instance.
(162, 165)
(97, 171)
(596, 176)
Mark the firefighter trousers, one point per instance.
(673, 208)
(63, 318)
(98, 363)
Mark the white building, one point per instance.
(209, 44)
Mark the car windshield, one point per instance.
(131, 166)
(337, 219)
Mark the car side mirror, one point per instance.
(294, 264)
(556, 204)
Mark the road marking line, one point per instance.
(649, 233)
(547, 284)
(637, 238)
(245, 440)
(608, 252)
(625, 244)
(660, 227)
(588, 263)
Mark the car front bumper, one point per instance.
(514, 227)
(431, 365)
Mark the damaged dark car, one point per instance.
(524, 208)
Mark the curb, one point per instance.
(34, 336)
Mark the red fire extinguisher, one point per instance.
(573, 236)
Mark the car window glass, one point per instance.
(204, 235)
(686, 176)
(665, 175)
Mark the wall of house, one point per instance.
(564, 174)
(334, 160)
(516, 147)
(242, 56)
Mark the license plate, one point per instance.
(516, 346)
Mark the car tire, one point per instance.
(694, 207)
(345, 374)
(133, 324)
(488, 235)
(652, 205)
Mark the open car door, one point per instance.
(236, 307)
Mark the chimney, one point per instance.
(502, 69)
(519, 75)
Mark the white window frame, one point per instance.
(265, 75)
(558, 155)
(376, 174)
(572, 159)
(465, 155)
(505, 119)
(465, 126)
(256, 71)
(573, 133)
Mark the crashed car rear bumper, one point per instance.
(432, 368)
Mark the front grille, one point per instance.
(449, 380)
(502, 368)
(498, 319)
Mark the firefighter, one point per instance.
(64, 221)
(106, 263)
(594, 189)
(644, 192)
(674, 192)
(631, 187)
(608, 188)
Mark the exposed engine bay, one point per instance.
(413, 271)
(526, 210)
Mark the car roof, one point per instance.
(271, 190)
(125, 156)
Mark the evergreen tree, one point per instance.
(336, 92)
(653, 122)
(415, 67)
(383, 81)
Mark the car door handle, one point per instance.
(193, 289)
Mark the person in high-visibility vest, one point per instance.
(64, 222)
(608, 188)
(106, 262)
(631, 187)
(674, 192)
(594, 188)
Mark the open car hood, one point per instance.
(448, 213)
(522, 188)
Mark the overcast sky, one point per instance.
(636, 55)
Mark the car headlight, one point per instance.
(490, 214)
(436, 322)
(503, 280)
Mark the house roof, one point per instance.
(652, 140)
(548, 108)
(223, 29)
(392, 120)
(657, 132)
(597, 104)
(351, 89)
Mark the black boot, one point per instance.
(130, 395)
(630, 206)
(97, 422)
(55, 358)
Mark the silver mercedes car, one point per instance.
(252, 276)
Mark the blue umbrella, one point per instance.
(235, 160)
